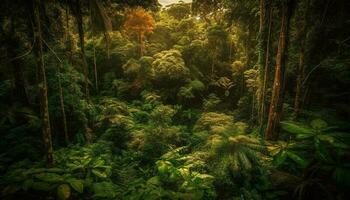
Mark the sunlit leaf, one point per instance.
(63, 192)
(76, 184)
(99, 173)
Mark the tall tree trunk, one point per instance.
(79, 19)
(68, 40)
(276, 105)
(266, 73)
(95, 68)
(301, 67)
(261, 56)
(44, 107)
(299, 82)
(63, 111)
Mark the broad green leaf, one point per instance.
(280, 158)
(63, 192)
(205, 176)
(74, 166)
(304, 136)
(294, 128)
(326, 138)
(99, 173)
(76, 184)
(41, 170)
(99, 163)
(49, 177)
(153, 181)
(296, 158)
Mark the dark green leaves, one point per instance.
(292, 127)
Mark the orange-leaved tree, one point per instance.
(140, 22)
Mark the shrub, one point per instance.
(168, 65)
(214, 123)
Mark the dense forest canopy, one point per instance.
(185, 100)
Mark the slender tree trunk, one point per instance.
(261, 54)
(63, 112)
(95, 68)
(79, 19)
(300, 78)
(276, 105)
(67, 36)
(44, 107)
(301, 67)
(266, 73)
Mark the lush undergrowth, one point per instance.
(147, 150)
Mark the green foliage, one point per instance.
(175, 179)
(226, 84)
(191, 89)
(211, 102)
(34, 177)
(288, 151)
(179, 10)
(105, 190)
(214, 123)
(319, 134)
(131, 68)
(237, 153)
(93, 161)
(173, 124)
(162, 115)
(63, 192)
(168, 65)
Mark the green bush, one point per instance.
(168, 65)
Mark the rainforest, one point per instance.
(174, 100)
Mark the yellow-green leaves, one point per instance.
(63, 192)
(76, 184)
